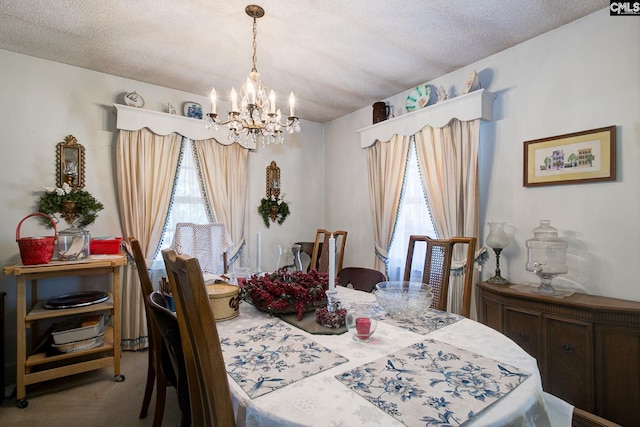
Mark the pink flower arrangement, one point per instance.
(281, 292)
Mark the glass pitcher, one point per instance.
(289, 258)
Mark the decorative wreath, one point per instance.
(274, 209)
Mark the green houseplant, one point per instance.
(76, 206)
(274, 209)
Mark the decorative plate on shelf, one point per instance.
(132, 99)
(418, 97)
(473, 83)
(193, 110)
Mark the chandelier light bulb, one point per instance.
(234, 100)
(251, 92)
(213, 96)
(272, 102)
(292, 104)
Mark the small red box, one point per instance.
(105, 246)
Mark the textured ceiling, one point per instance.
(336, 55)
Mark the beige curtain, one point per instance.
(222, 171)
(146, 166)
(448, 161)
(386, 163)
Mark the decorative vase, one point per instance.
(289, 258)
(273, 213)
(69, 211)
(73, 244)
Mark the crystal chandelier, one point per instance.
(257, 115)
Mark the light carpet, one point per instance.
(92, 399)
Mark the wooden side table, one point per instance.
(41, 366)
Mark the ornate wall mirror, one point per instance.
(70, 163)
(273, 180)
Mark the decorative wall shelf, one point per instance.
(132, 118)
(471, 106)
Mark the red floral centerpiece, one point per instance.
(281, 292)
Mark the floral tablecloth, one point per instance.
(320, 399)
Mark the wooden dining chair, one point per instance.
(155, 375)
(172, 360)
(209, 394)
(320, 254)
(436, 270)
(360, 278)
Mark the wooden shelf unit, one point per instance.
(43, 366)
(587, 346)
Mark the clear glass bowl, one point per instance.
(404, 300)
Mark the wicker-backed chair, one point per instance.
(437, 268)
(360, 278)
(209, 395)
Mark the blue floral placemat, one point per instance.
(427, 322)
(433, 384)
(272, 355)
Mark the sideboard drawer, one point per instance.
(524, 327)
(569, 361)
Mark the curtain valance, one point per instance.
(131, 118)
(471, 106)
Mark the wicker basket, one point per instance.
(36, 250)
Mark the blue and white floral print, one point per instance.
(432, 383)
(427, 322)
(270, 356)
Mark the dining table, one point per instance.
(439, 369)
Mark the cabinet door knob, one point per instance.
(523, 336)
(566, 347)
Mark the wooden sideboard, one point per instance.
(587, 347)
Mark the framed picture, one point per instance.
(573, 158)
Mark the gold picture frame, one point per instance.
(70, 163)
(587, 156)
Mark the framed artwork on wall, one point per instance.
(572, 158)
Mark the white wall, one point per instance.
(44, 101)
(582, 76)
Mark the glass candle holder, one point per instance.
(361, 322)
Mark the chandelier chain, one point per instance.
(255, 44)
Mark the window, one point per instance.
(414, 217)
(188, 205)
